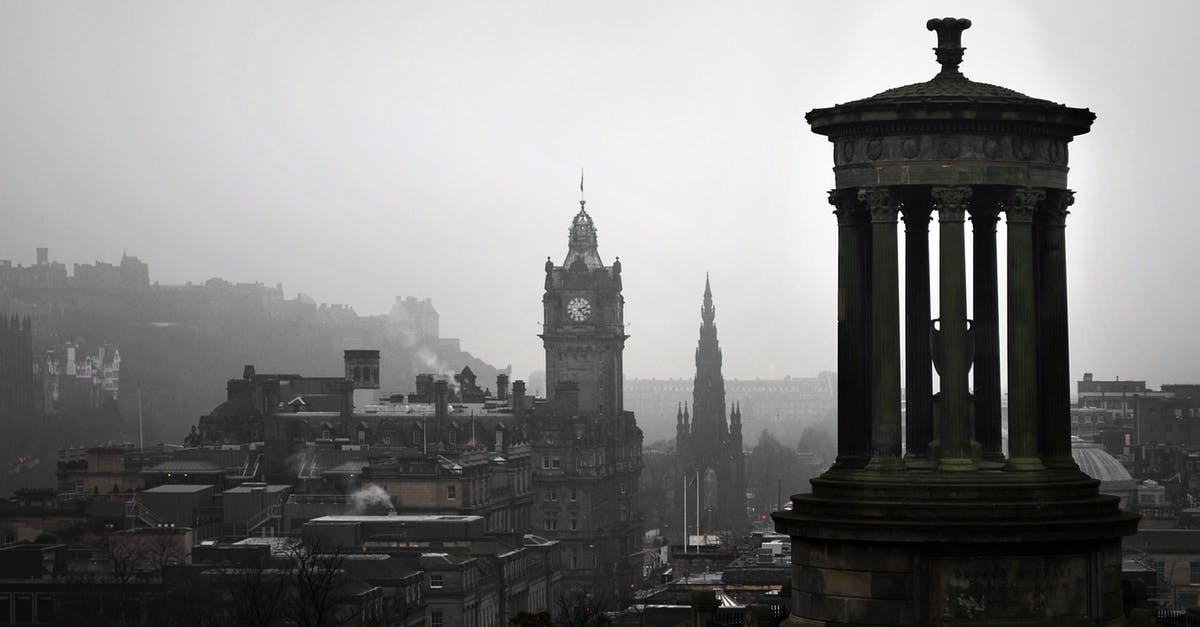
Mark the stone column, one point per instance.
(1054, 373)
(984, 215)
(951, 339)
(1023, 362)
(885, 331)
(918, 378)
(854, 419)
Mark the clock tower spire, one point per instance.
(583, 328)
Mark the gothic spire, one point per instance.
(707, 311)
(708, 390)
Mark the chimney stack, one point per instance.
(362, 367)
(502, 387)
(439, 397)
(43, 256)
(424, 393)
(518, 396)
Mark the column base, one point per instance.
(957, 464)
(1038, 549)
(1025, 464)
(885, 463)
(919, 462)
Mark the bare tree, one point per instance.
(256, 594)
(319, 591)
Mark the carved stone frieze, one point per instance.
(865, 150)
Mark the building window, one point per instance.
(545, 462)
(551, 494)
(1194, 573)
(452, 437)
(551, 522)
(436, 620)
(574, 522)
(574, 494)
(451, 492)
(416, 437)
(436, 581)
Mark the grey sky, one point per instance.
(360, 150)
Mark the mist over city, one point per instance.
(591, 313)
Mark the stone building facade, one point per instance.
(586, 447)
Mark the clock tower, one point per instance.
(587, 449)
(583, 329)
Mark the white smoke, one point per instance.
(371, 499)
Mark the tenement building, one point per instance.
(929, 521)
(709, 448)
(587, 448)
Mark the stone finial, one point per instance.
(949, 50)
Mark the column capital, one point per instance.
(1022, 203)
(985, 210)
(951, 202)
(846, 206)
(1054, 210)
(880, 203)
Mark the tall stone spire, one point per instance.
(707, 312)
(712, 446)
(708, 392)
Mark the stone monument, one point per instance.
(927, 520)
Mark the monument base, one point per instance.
(995, 549)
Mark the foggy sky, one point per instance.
(357, 151)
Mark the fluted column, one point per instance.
(951, 338)
(885, 331)
(918, 377)
(854, 419)
(1054, 373)
(986, 325)
(1023, 362)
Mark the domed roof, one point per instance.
(582, 253)
(1096, 463)
(955, 86)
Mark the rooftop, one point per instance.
(396, 518)
(178, 488)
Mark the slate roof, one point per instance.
(954, 87)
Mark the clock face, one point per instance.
(579, 309)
